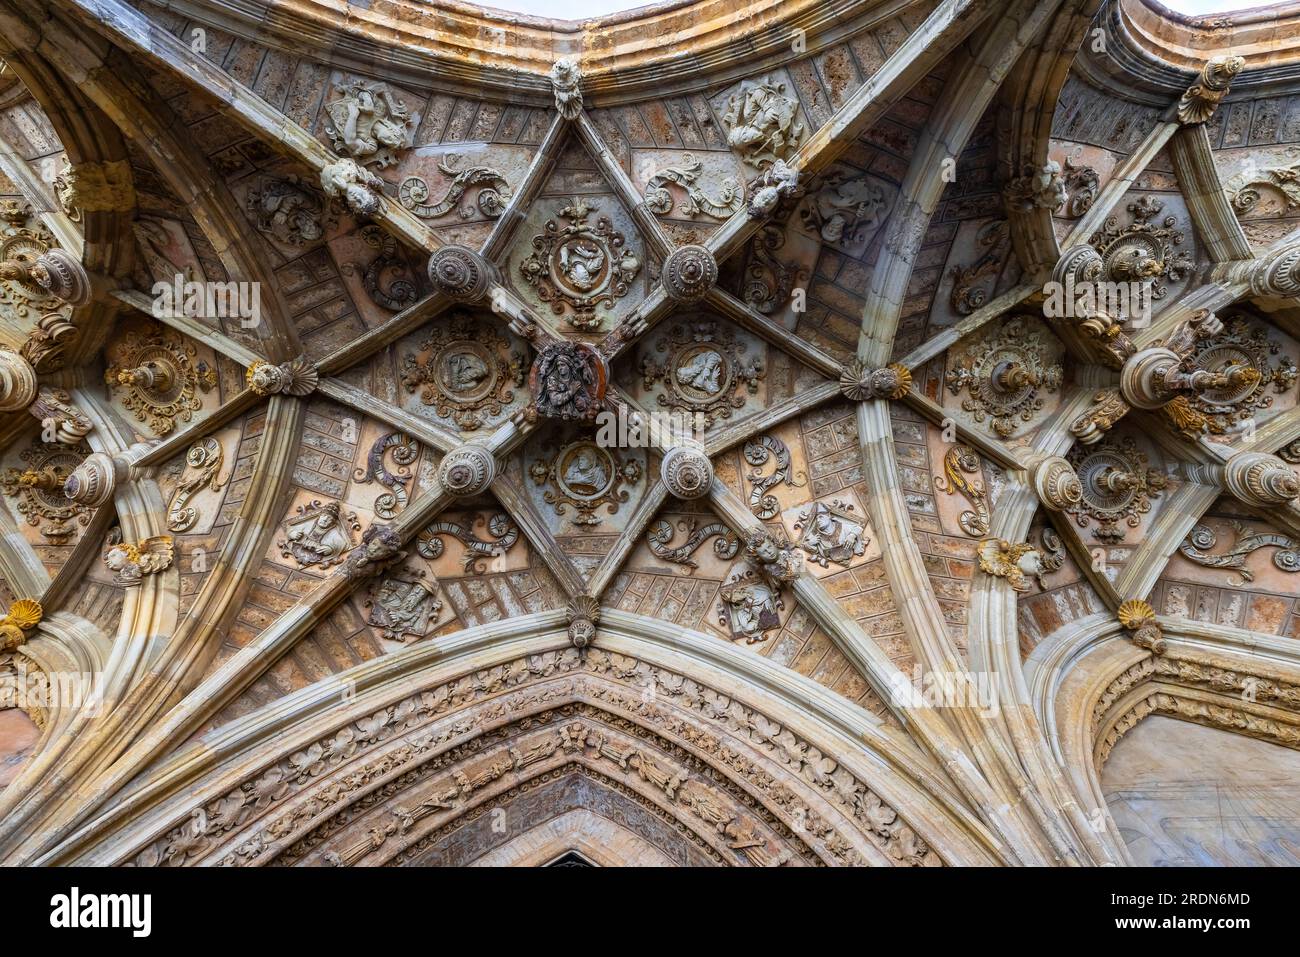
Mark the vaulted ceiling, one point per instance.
(811, 436)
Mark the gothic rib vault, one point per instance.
(339, 567)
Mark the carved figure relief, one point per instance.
(493, 196)
(38, 490)
(750, 598)
(961, 459)
(320, 536)
(405, 451)
(400, 292)
(502, 529)
(155, 371)
(725, 544)
(702, 367)
(832, 533)
(290, 211)
(585, 476)
(1017, 562)
(1144, 249)
(580, 267)
(762, 122)
(757, 451)
(464, 370)
(730, 196)
(368, 122)
(404, 604)
(1118, 487)
(130, 562)
(568, 381)
(202, 468)
(1199, 542)
(847, 209)
(1006, 376)
(973, 285)
(1038, 187)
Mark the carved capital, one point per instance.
(858, 382)
(17, 382)
(95, 188)
(1260, 479)
(467, 471)
(566, 80)
(686, 472)
(689, 273)
(1202, 97)
(460, 273)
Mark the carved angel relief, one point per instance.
(579, 267)
(465, 370)
(368, 123)
(320, 536)
(762, 122)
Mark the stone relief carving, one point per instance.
(290, 211)
(1017, 562)
(500, 526)
(1108, 407)
(1051, 551)
(769, 281)
(580, 267)
(1037, 187)
(1118, 486)
(585, 476)
(493, 196)
(762, 122)
(23, 242)
(296, 377)
(725, 544)
(61, 420)
(1267, 191)
(467, 470)
(568, 381)
(1006, 376)
(400, 293)
(38, 489)
(702, 368)
(750, 598)
(776, 185)
(1291, 453)
(583, 614)
(688, 273)
(465, 370)
(131, 561)
(972, 285)
(155, 372)
(354, 186)
(404, 604)
(1241, 344)
(686, 175)
(832, 533)
(566, 79)
(23, 615)
(957, 460)
(45, 344)
(320, 536)
(95, 188)
(1144, 249)
(846, 208)
(757, 451)
(686, 472)
(203, 464)
(1082, 184)
(1202, 98)
(368, 123)
(405, 451)
(1201, 539)
(860, 382)
(380, 550)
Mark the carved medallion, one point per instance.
(703, 368)
(585, 476)
(729, 199)
(320, 536)
(1006, 376)
(493, 196)
(465, 370)
(1240, 344)
(832, 533)
(403, 604)
(38, 490)
(368, 123)
(290, 211)
(580, 267)
(500, 527)
(762, 122)
(155, 371)
(1118, 487)
(405, 451)
(1144, 249)
(23, 240)
(202, 467)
